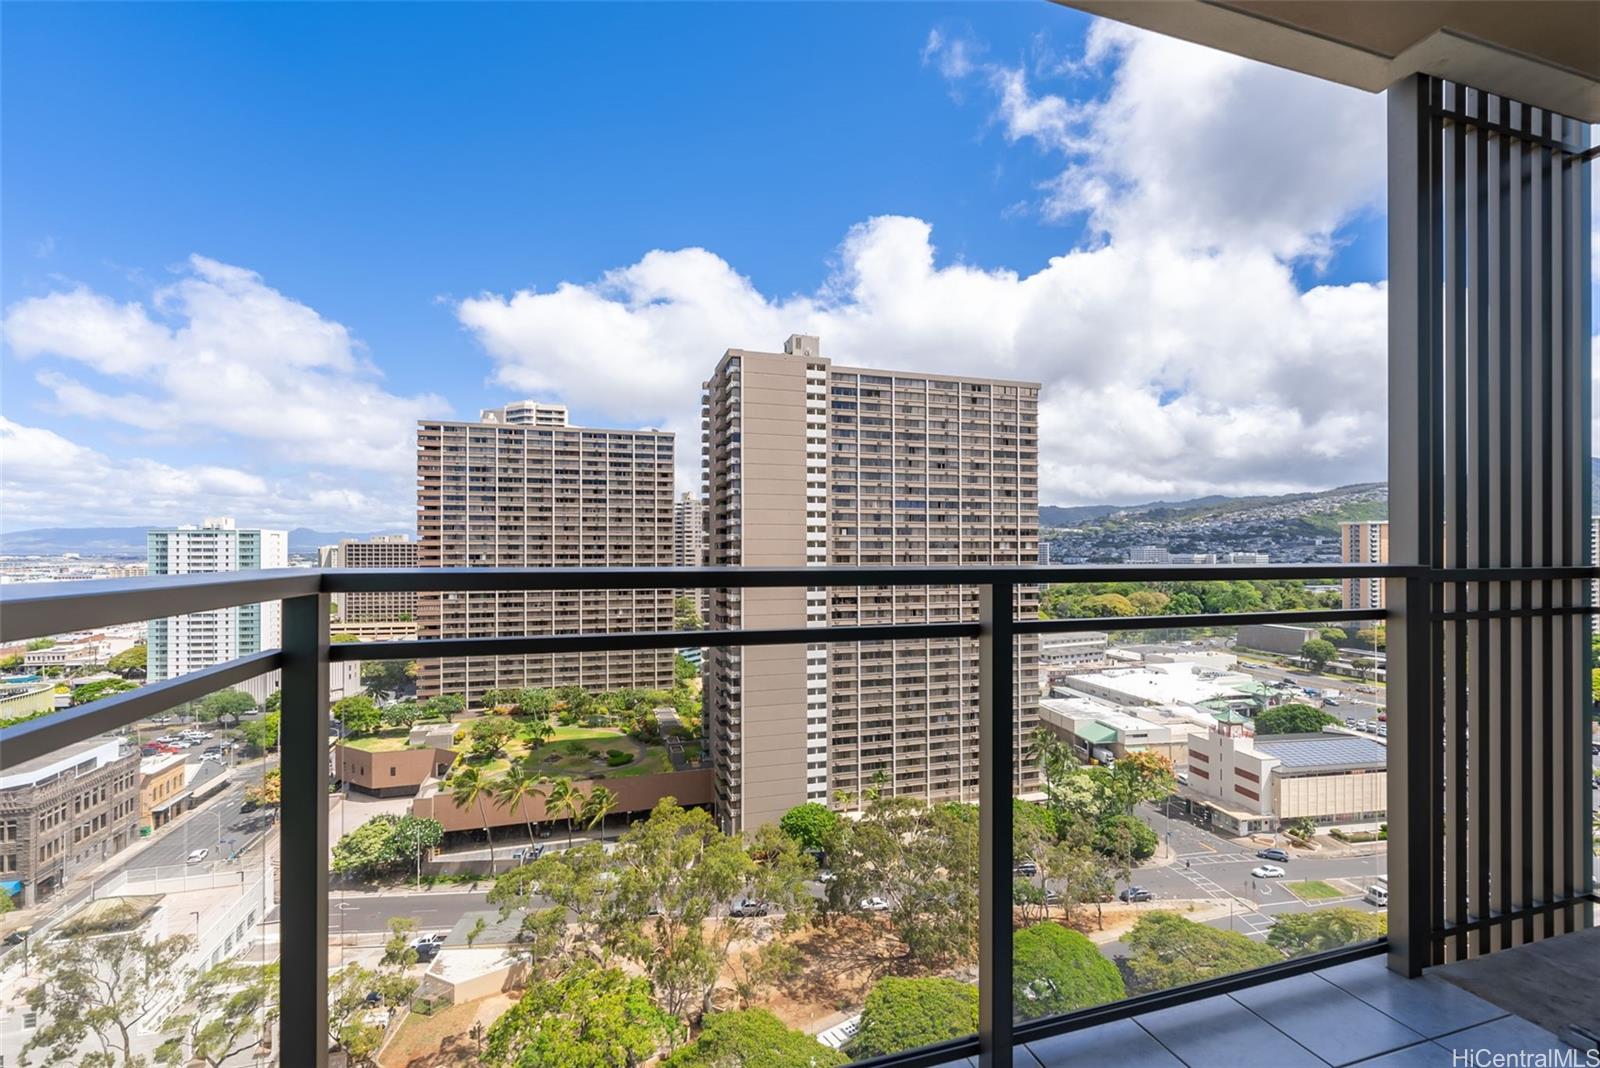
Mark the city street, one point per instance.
(217, 825)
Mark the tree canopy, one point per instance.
(359, 714)
(902, 1014)
(1293, 719)
(1296, 933)
(813, 826)
(130, 661)
(1318, 652)
(589, 1017)
(1055, 969)
(753, 1038)
(1168, 950)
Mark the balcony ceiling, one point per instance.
(1542, 52)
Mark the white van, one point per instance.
(1377, 894)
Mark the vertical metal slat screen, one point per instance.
(1489, 469)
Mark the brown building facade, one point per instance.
(810, 463)
(66, 812)
(386, 550)
(540, 493)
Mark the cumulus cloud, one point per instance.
(50, 480)
(215, 357)
(219, 350)
(1165, 372)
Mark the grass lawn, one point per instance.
(1314, 890)
(385, 741)
(580, 753)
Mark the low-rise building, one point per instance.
(65, 812)
(1283, 638)
(161, 789)
(1253, 783)
(1162, 684)
(19, 701)
(1105, 733)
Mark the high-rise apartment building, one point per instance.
(1363, 543)
(183, 644)
(385, 550)
(519, 489)
(688, 531)
(809, 463)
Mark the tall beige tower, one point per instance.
(1363, 543)
(809, 463)
(522, 488)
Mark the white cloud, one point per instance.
(221, 351)
(1275, 389)
(216, 358)
(49, 480)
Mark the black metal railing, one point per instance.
(37, 610)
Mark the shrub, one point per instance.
(616, 758)
(1057, 970)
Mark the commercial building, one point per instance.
(1249, 558)
(1102, 733)
(182, 644)
(1285, 638)
(809, 463)
(23, 699)
(1252, 783)
(161, 789)
(522, 488)
(65, 812)
(385, 550)
(1061, 655)
(1163, 683)
(78, 651)
(1363, 543)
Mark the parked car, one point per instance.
(874, 904)
(1363, 725)
(746, 906)
(197, 855)
(1267, 871)
(524, 854)
(427, 952)
(427, 940)
(1028, 869)
(1383, 730)
(1183, 778)
(1273, 854)
(1135, 893)
(825, 876)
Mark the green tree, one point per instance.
(7, 903)
(1057, 970)
(814, 826)
(1184, 603)
(578, 882)
(95, 988)
(1138, 777)
(365, 851)
(682, 670)
(589, 1017)
(1318, 652)
(685, 614)
(536, 731)
(262, 733)
(1297, 933)
(40, 643)
(387, 676)
(213, 706)
(11, 663)
(518, 785)
(410, 837)
(447, 705)
(1293, 719)
(1125, 838)
(1332, 635)
(901, 1014)
(350, 1014)
(753, 1038)
(1149, 602)
(273, 703)
(1166, 950)
(600, 803)
(130, 661)
(563, 797)
(468, 788)
(488, 735)
(1373, 637)
(230, 1009)
(402, 714)
(93, 691)
(397, 949)
(1108, 604)
(270, 793)
(359, 714)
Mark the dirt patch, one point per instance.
(443, 1040)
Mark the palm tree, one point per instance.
(601, 803)
(562, 797)
(468, 787)
(517, 785)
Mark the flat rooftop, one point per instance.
(1335, 752)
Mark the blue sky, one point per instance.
(392, 176)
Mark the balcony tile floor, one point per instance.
(1355, 1014)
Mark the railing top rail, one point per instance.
(40, 609)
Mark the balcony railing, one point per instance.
(1417, 833)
